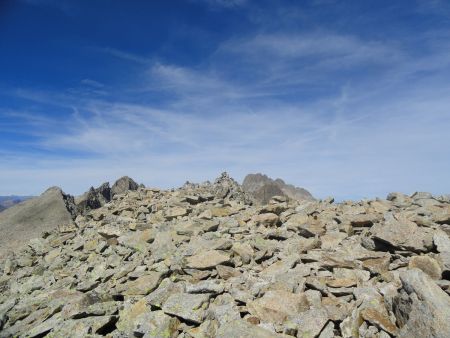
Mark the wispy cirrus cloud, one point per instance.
(317, 44)
(120, 54)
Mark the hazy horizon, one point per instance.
(343, 98)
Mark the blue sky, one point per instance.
(345, 98)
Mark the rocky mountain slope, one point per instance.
(262, 188)
(30, 218)
(201, 261)
(53, 208)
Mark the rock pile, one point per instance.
(201, 261)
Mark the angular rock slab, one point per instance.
(427, 264)
(276, 306)
(190, 307)
(402, 234)
(207, 259)
(422, 309)
(143, 285)
(243, 329)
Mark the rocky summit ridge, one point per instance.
(262, 188)
(204, 261)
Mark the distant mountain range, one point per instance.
(8, 201)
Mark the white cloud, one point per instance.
(365, 139)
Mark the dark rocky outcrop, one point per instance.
(262, 188)
(94, 198)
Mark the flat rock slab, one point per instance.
(143, 285)
(207, 259)
(310, 323)
(277, 306)
(243, 329)
(190, 307)
(138, 240)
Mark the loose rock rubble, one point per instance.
(202, 261)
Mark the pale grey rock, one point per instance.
(421, 308)
(142, 285)
(190, 307)
(241, 328)
(427, 264)
(156, 324)
(400, 233)
(276, 306)
(207, 259)
(441, 241)
(207, 286)
(165, 289)
(328, 331)
(310, 323)
(224, 309)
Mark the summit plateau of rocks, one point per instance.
(206, 260)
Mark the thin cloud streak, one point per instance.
(363, 137)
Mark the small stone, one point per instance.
(268, 219)
(378, 319)
(227, 272)
(207, 286)
(244, 250)
(109, 232)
